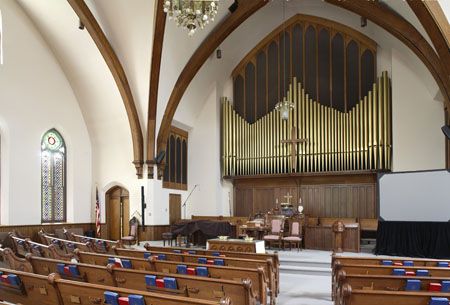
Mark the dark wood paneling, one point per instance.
(261, 80)
(178, 160)
(311, 62)
(324, 67)
(238, 95)
(322, 196)
(172, 155)
(367, 72)
(243, 201)
(338, 75)
(273, 75)
(250, 94)
(352, 52)
(153, 232)
(32, 230)
(184, 162)
(285, 63)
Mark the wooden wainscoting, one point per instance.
(32, 230)
(349, 195)
(153, 232)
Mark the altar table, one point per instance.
(236, 245)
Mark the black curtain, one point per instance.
(414, 239)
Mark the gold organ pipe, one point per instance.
(375, 126)
(380, 123)
(388, 121)
(370, 131)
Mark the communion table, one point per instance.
(236, 245)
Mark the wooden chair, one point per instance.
(133, 237)
(295, 235)
(276, 232)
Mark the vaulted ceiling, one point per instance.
(129, 27)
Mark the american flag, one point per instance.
(97, 214)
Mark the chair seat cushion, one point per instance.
(292, 238)
(129, 238)
(271, 237)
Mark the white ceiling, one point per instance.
(128, 24)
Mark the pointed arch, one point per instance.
(53, 177)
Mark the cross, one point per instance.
(288, 197)
(293, 142)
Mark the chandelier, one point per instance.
(284, 107)
(191, 14)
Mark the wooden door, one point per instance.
(117, 212)
(174, 208)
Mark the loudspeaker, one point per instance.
(446, 131)
(234, 6)
(160, 156)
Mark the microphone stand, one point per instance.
(184, 203)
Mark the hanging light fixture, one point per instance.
(284, 106)
(191, 14)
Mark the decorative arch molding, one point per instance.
(206, 48)
(327, 57)
(118, 73)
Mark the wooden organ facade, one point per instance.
(338, 134)
(175, 171)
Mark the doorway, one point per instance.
(174, 208)
(117, 212)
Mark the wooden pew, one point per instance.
(351, 296)
(24, 246)
(351, 269)
(67, 245)
(381, 282)
(84, 293)
(257, 276)
(99, 245)
(190, 286)
(257, 256)
(34, 289)
(228, 261)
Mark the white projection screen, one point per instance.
(415, 196)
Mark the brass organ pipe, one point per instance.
(380, 124)
(370, 130)
(375, 126)
(388, 122)
(364, 133)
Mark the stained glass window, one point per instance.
(53, 175)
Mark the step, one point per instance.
(319, 271)
(299, 262)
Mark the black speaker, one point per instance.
(160, 156)
(234, 6)
(446, 131)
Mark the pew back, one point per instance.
(34, 289)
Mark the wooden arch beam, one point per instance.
(398, 26)
(114, 65)
(215, 38)
(158, 39)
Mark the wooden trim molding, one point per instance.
(398, 26)
(206, 48)
(435, 23)
(158, 39)
(307, 19)
(118, 73)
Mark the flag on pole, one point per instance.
(97, 214)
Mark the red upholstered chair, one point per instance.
(276, 232)
(295, 235)
(132, 238)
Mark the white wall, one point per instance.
(415, 196)
(35, 96)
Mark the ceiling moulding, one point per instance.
(111, 59)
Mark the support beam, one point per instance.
(398, 26)
(111, 59)
(435, 23)
(206, 48)
(158, 38)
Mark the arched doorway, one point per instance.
(117, 212)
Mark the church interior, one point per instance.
(229, 152)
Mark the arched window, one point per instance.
(53, 177)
